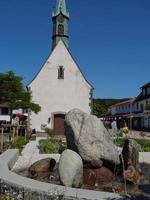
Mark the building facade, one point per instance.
(122, 108)
(60, 85)
(4, 113)
(141, 103)
(135, 110)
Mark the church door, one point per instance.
(59, 120)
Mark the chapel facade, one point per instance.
(60, 85)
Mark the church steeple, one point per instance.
(60, 18)
(61, 8)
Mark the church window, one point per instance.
(60, 29)
(61, 72)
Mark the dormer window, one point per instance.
(61, 72)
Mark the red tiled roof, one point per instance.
(124, 102)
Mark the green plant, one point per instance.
(13, 92)
(4, 197)
(51, 146)
(119, 141)
(19, 144)
(9, 198)
(144, 144)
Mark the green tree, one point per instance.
(14, 94)
(98, 109)
(101, 106)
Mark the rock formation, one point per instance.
(87, 136)
(130, 154)
(41, 169)
(71, 169)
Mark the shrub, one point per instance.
(119, 141)
(144, 144)
(51, 146)
(19, 144)
(4, 197)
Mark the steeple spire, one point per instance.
(60, 19)
(61, 8)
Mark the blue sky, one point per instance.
(110, 40)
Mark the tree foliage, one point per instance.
(14, 94)
(101, 106)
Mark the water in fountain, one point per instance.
(123, 166)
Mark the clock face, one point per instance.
(61, 19)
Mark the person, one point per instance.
(125, 130)
(114, 128)
(15, 121)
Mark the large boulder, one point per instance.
(130, 156)
(130, 153)
(41, 169)
(71, 169)
(87, 136)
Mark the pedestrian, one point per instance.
(114, 128)
(125, 130)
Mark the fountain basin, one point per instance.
(14, 184)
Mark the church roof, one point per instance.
(79, 68)
(60, 8)
(71, 57)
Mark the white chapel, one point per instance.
(59, 86)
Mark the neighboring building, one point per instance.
(122, 108)
(122, 112)
(60, 85)
(134, 109)
(4, 113)
(140, 104)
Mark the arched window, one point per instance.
(60, 29)
(61, 72)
